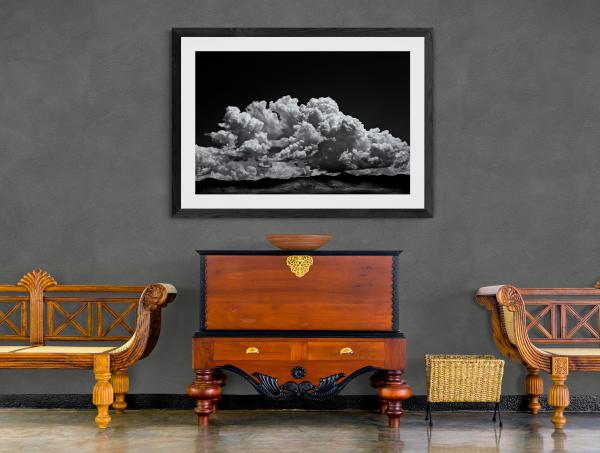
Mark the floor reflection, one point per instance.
(445, 440)
(171, 431)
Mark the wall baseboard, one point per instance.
(579, 403)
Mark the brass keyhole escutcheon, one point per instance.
(299, 264)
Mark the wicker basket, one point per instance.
(463, 378)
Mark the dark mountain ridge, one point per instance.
(344, 183)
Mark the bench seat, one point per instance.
(39, 310)
(573, 352)
(7, 349)
(57, 349)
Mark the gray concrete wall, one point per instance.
(85, 153)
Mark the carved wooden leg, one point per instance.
(120, 384)
(558, 397)
(377, 381)
(534, 387)
(205, 390)
(103, 392)
(220, 378)
(394, 390)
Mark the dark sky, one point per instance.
(371, 86)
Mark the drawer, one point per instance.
(346, 350)
(252, 350)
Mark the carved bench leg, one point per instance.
(102, 396)
(534, 387)
(205, 389)
(120, 384)
(394, 390)
(558, 397)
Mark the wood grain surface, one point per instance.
(261, 293)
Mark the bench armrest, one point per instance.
(509, 325)
(153, 299)
(489, 290)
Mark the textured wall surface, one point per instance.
(85, 164)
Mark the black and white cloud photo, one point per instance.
(302, 122)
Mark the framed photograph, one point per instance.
(302, 122)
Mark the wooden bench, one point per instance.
(527, 322)
(38, 311)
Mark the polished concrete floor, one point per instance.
(170, 431)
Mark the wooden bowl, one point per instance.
(298, 241)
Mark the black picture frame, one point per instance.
(178, 211)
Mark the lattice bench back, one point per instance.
(562, 315)
(38, 309)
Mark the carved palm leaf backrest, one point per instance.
(36, 282)
(562, 315)
(39, 309)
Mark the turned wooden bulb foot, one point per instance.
(120, 384)
(102, 395)
(394, 390)
(534, 387)
(206, 390)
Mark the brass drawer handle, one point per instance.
(252, 350)
(344, 351)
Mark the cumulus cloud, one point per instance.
(284, 139)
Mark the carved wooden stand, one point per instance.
(206, 390)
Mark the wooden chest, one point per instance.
(299, 324)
